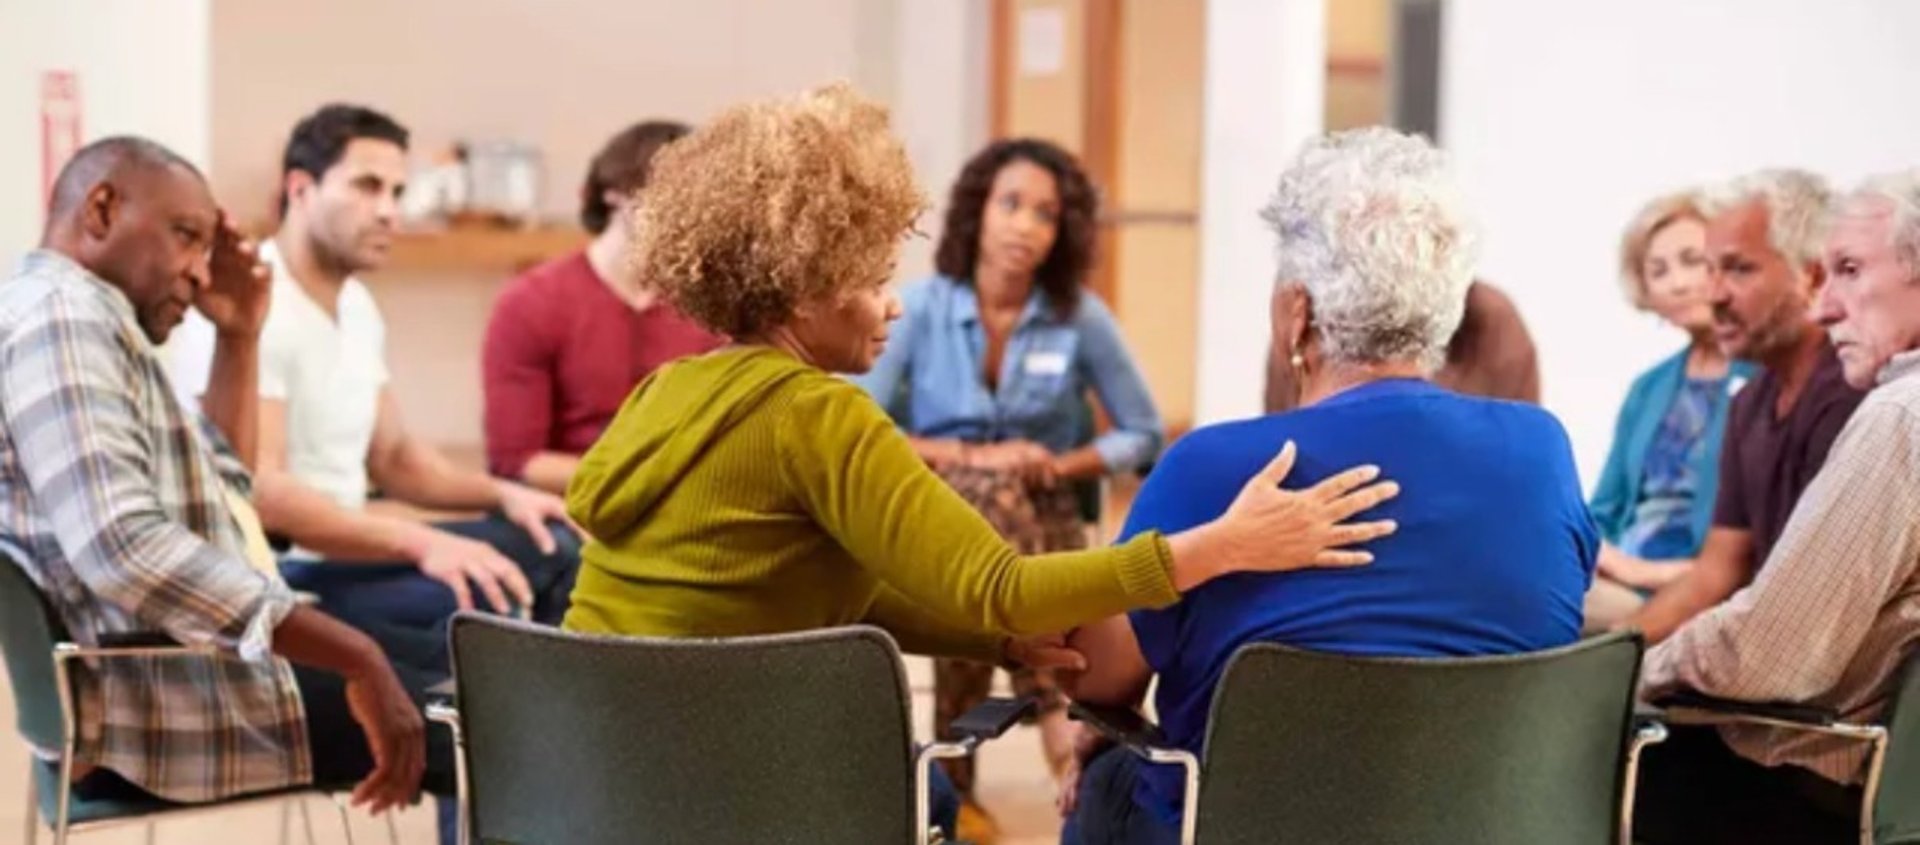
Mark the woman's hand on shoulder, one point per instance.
(1270, 529)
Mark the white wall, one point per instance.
(1564, 117)
(142, 68)
(1265, 89)
(939, 94)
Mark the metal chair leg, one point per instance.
(286, 821)
(346, 818)
(150, 833)
(60, 821)
(306, 821)
(33, 805)
(393, 829)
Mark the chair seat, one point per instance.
(80, 811)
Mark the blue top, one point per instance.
(930, 379)
(1618, 496)
(1661, 527)
(1494, 553)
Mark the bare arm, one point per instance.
(1082, 463)
(395, 733)
(232, 389)
(1117, 673)
(1724, 565)
(939, 452)
(551, 471)
(235, 301)
(413, 471)
(342, 535)
(315, 521)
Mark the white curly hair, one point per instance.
(1900, 190)
(1796, 201)
(1370, 223)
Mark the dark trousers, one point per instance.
(1694, 790)
(1106, 813)
(397, 593)
(336, 743)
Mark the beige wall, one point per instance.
(1358, 36)
(1151, 244)
(561, 74)
(1157, 244)
(1049, 105)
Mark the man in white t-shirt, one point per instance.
(330, 426)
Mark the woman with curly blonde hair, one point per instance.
(751, 491)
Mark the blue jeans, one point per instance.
(943, 802)
(1106, 813)
(396, 593)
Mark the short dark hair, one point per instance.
(1065, 267)
(320, 139)
(624, 164)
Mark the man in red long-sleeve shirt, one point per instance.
(571, 338)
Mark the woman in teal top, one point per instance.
(1654, 500)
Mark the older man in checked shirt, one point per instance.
(1835, 611)
(126, 514)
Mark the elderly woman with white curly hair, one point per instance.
(1495, 547)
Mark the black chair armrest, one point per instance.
(991, 718)
(1122, 725)
(138, 639)
(1781, 711)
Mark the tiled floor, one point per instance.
(1015, 786)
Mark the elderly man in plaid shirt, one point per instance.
(1830, 618)
(130, 519)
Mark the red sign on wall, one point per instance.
(59, 125)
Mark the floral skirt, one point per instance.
(1034, 521)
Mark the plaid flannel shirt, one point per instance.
(1836, 608)
(113, 495)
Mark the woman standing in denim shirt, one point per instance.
(990, 369)
(1655, 496)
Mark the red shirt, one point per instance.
(562, 352)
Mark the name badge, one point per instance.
(1735, 384)
(1047, 364)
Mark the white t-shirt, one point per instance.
(329, 374)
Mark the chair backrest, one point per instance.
(585, 740)
(1327, 749)
(1896, 809)
(28, 629)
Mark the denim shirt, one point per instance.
(929, 378)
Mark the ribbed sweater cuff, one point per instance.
(1146, 570)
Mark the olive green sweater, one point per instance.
(745, 492)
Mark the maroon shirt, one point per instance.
(561, 354)
(1766, 461)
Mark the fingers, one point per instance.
(542, 538)
(1361, 500)
(1339, 485)
(1339, 557)
(483, 573)
(1360, 532)
(515, 581)
(1277, 470)
(1056, 657)
(462, 594)
(382, 787)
